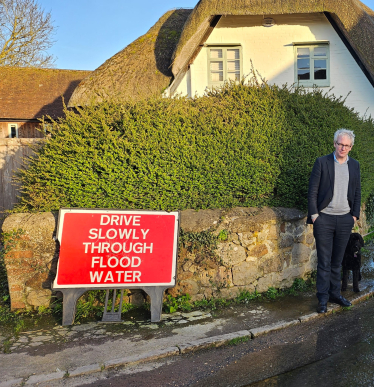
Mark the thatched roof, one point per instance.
(354, 19)
(148, 65)
(28, 93)
(141, 69)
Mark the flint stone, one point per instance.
(300, 253)
(286, 241)
(245, 273)
(198, 221)
(231, 254)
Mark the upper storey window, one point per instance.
(312, 65)
(224, 64)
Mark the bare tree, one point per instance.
(26, 33)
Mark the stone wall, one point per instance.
(256, 248)
(31, 260)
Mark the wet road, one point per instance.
(337, 350)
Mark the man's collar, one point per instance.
(346, 161)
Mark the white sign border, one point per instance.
(171, 284)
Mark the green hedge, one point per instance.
(244, 145)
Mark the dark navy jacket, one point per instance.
(321, 186)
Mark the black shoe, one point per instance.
(322, 307)
(340, 301)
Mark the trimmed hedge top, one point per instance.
(243, 145)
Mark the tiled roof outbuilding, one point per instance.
(31, 93)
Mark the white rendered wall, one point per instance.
(272, 53)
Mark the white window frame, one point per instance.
(313, 82)
(10, 130)
(224, 48)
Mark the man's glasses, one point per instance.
(343, 145)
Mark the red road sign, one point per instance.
(111, 248)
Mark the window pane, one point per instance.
(217, 77)
(320, 51)
(319, 64)
(320, 74)
(303, 74)
(303, 64)
(233, 53)
(13, 131)
(303, 52)
(234, 76)
(233, 65)
(216, 66)
(216, 53)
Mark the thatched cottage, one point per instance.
(27, 94)
(327, 43)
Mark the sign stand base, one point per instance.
(71, 295)
(112, 316)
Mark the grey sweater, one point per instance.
(339, 203)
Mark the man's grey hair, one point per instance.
(344, 132)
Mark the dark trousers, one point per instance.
(331, 233)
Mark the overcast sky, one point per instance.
(91, 31)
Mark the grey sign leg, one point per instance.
(69, 303)
(156, 293)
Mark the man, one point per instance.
(334, 199)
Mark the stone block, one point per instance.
(250, 219)
(248, 288)
(202, 220)
(216, 277)
(290, 273)
(258, 251)
(231, 254)
(309, 239)
(36, 281)
(300, 253)
(228, 293)
(184, 275)
(286, 240)
(17, 305)
(246, 239)
(235, 238)
(245, 273)
(266, 282)
(38, 298)
(187, 265)
(300, 238)
(208, 293)
(16, 288)
(273, 264)
(273, 232)
(299, 230)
